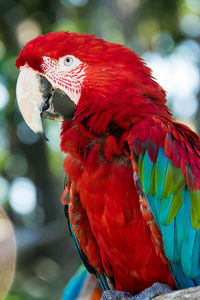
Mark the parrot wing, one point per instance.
(167, 159)
(81, 233)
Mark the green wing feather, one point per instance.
(168, 164)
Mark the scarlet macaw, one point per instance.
(133, 173)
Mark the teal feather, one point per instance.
(175, 209)
(75, 285)
(181, 280)
(169, 175)
(197, 280)
(165, 208)
(160, 172)
(103, 282)
(189, 253)
(169, 237)
(195, 255)
(147, 168)
(181, 224)
(154, 206)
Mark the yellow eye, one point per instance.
(68, 60)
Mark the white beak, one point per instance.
(30, 99)
(38, 98)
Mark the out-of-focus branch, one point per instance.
(191, 293)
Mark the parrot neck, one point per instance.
(124, 114)
(123, 97)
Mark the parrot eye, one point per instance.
(68, 63)
(68, 60)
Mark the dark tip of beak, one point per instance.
(43, 136)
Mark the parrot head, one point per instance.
(65, 76)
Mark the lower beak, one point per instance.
(37, 98)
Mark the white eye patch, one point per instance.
(66, 73)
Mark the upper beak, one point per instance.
(36, 97)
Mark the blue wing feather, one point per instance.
(75, 285)
(165, 208)
(181, 241)
(147, 168)
(168, 234)
(154, 206)
(181, 280)
(160, 172)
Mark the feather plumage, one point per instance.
(175, 200)
(101, 180)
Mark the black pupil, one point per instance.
(68, 60)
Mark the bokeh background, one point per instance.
(165, 33)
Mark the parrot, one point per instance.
(132, 190)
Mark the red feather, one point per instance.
(129, 241)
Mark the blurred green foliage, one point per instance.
(31, 179)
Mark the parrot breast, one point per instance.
(103, 175)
